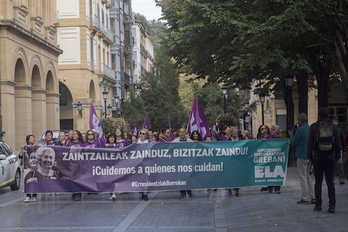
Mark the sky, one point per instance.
(147, 8)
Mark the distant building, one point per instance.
(142, 51)
(85, 71)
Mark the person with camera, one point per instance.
(299, 138)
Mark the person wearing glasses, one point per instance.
(91, 140)
(165, 132)
(265, 132)
(143, 137)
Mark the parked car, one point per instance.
(10, 171)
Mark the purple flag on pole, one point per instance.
(135, 129)
(197, 120)
(94, 123)
(147, 123)
(169, 124)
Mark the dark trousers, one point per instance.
(326, 166)
(183, 192)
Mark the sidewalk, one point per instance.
(205, 212)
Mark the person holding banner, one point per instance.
(49, 138)
(233, 132)
(265, 132)
(143, 137)
(31, 163)
(196, 136)
(121, 141)
(91, 140)
(183, 138)
(275, 134)
(76, 141)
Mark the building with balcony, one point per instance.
(29, 92)
(143, 51)
(121, 21)
(85, 67)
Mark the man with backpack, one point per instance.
(324, 148)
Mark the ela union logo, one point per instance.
(268, 172)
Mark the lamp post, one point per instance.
(224, 93)
(109, 109)
(79, 108)
(105, 96)
(262, 96)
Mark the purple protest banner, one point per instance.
(155, 166)
(197, 120)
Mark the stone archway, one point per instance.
(38, 100)
(22, 104)
(66, 108)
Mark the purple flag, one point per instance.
(94, 122)
(169, 124)
(197, 120)
(147, 123)
(135, 129)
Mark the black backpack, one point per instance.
(325, 138)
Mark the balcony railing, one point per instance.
(109, 71)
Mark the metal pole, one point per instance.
(105, 108)
(262, 113)
(225, 104)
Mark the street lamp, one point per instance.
(224, 93)
(109, 108)
(105, 96)
(262, 96)
(79, 108)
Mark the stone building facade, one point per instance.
(28, 69)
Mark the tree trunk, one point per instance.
(323, 76)
(302, 86)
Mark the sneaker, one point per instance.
(331, 209)
(34, 199)
(302, 202)
(190, 195)
(237, 194)
(27, 200)
(182, 197)
(277, 191)
(317, 208)
(342, 181)
(113, 197)
(313, 201)
(270, 190)
(145, 198)
(264, 189)
(229, 191)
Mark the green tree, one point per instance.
(134, 111)
(265, 40)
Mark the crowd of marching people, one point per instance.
(40, 163)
